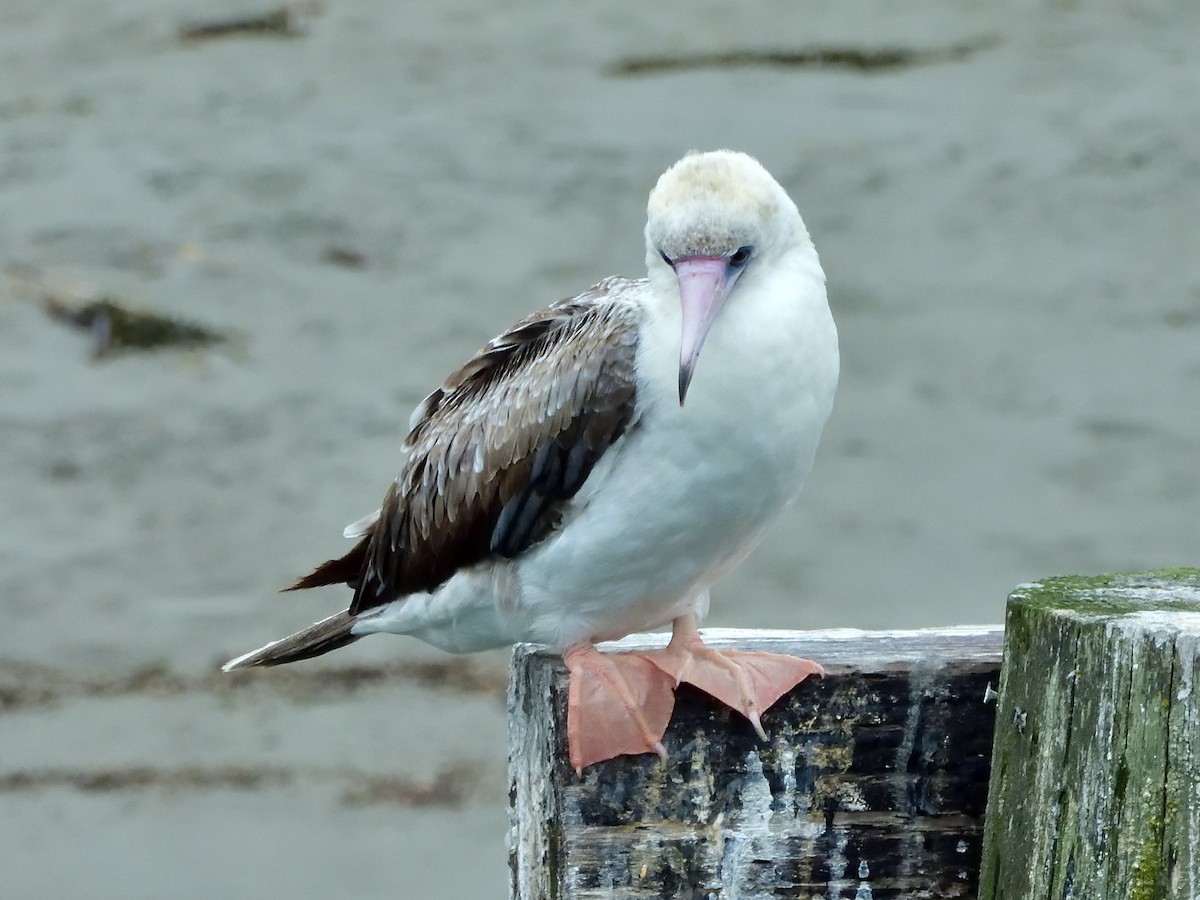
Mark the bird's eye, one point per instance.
(666, 259)
(741, 257)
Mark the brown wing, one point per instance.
(498, 450)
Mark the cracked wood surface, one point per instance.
(1095, 789)
(872, 784)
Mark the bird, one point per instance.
(590, 473)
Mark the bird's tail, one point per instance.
(326, 635)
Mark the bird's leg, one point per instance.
(747, 681)
(617, 703)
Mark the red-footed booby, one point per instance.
(591, 472)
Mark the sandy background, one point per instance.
(1014, 262)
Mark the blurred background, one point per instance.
(321, 211)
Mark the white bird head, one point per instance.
(711, 217)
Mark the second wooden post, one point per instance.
(1095, 785)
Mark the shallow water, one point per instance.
(1011, 249)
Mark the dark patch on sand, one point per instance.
(144, 777)
(115, 328)
(26, 685)
(280, 22)
(344, 257)
(307, 685)
(451, 787)
(854, 58)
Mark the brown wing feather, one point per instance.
(343, 570)
(496, 453)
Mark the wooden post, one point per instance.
(872, 785)
(1095, 789)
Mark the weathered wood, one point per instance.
(1095, 789)
(872, 785)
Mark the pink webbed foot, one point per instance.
(749, 682)
(617, 704)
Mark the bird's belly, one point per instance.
(678, 508)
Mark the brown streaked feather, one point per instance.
(488, 451)
(497, 452)
(343, 570)
(315, 640)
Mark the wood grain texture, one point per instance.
(873, 783)
(1095, 789)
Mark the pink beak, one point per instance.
(703, 285)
